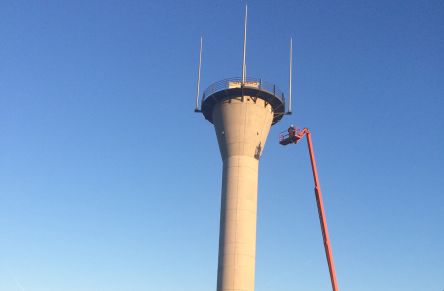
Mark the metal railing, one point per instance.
(236, 82)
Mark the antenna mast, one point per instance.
(244, 67)
(291, 76)
(196, 109)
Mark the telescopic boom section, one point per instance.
(292, 137)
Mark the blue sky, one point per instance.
(109, 181)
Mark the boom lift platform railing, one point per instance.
(292, 136)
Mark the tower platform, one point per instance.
(234, 88)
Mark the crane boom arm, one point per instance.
(322, 217)
(294, 136)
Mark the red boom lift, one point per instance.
(292, 136)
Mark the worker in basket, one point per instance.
(291, 132)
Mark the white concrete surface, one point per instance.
(242, 128)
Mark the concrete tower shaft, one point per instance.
(242, 113)
(242, 125)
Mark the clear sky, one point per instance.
(109, 181)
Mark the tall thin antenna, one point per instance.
(196, 109)
(291, 76)
(244, 66)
